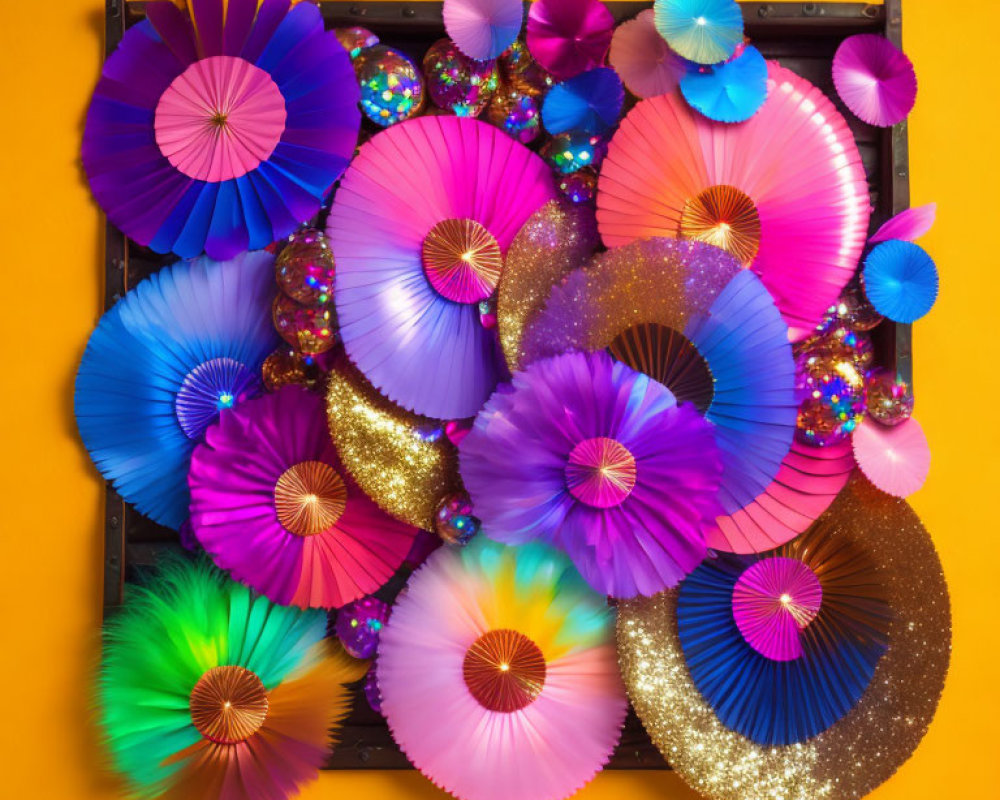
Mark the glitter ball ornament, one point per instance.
(841, 343)
(372, 693)
(458, 83)
(579, 186)
(355, 39)
(833, 398)
(304, 268)
(852, 310)
(392, 88)
(890, 399)
(516, 113)
(519, 70)
(285, 366)
(359, 624)
(570, 152)
(309, 329)
(454, 521)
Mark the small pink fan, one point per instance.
(785, 191)
(875, 79)
(907, 225)
(895, 459)
(643, 59)
(809, 480)
(567, 37)
(483, 29)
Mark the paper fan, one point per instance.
(703, 31)
(207, 691)
(730, 92)
(797, 211)
(605, 465)
(499, 676)
(643, 59)
(483, 29)
(567, 37)
(782, 646)
(896, 459)
(908, 225)
(182, 346)
(419, 229)
(683, 312)
(222, 127)
(589, 102)
(271, 503)
(900, 280)
(810, 478)
(875, 79)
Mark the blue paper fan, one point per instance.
(730, 92)
(185, 344)
(780, 702)
(744, 341)
(703, 31)
(900, 280)
(588, 103)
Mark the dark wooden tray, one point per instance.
(802, 36)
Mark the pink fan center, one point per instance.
(773, 602)
(219, 119)
(600, 472)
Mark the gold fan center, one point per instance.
(723, 216)
(309, 498)
(228, 704)
(504, 670)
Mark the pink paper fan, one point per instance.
(809, 480)
(483, 29)
(907, 225)
(643, 59)
(875, 79)
(567, 37)
(895, 459)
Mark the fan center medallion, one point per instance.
(725, 217)
(219, 119)
(228, 704)
(462, 260)
(504, 670)
(774, 600)
(600, 472)
(208, 389)
(309, 498)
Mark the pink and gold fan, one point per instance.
(785, 191)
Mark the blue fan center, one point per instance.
(209, 388)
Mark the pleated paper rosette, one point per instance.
(483, 29)
(901, 280)
(643, 58)
(703, 31)
(567, 37)
(272, 504)
(896, 459)
(219, 126)
(498, 673)
(796, 212)
(875, 79)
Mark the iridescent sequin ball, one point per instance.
(458, 83)
(890, 399)
(832, 392)
(359, 624)
(454, 521)
(304, 269)
(570, 152)
(392, 88)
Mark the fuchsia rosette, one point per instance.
(568, 37)
(220, 129)
(875, 79)
(590, 455)
(271, 503)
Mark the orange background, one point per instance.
(50, 593)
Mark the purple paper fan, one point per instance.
(875, 79)
(590, 455)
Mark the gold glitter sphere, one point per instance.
(284, 367)
(857, 753)
(403, 461)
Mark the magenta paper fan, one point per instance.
(220, 128)
(600, 460)
(785, 191)
(271, 503)
(875, 79)
(419, 228)
(483, 29)
(568, 37)
(895, 459)
(908, 225)
(643, 59)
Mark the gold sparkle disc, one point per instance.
(504, 670)
(309, 498)
(725, 217)
(462, 260)
(228, 704)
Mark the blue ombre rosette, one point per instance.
(900, 280)
(729, 92)
(588, 103)
(703, 31)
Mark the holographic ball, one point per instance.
(356, 39)
(453, 521)
(833, 394)
(286, 367)
(488, 312)
(309, 329)
(372, 693)
(579, 186)
(890, 399)
(571, 152)
(852, 311)
(519, 70)
(359, 624)
(516, 114)
(458, 83)
(304, 268)
(392, 88)
(840, 344)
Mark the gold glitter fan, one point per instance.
(864, 748)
